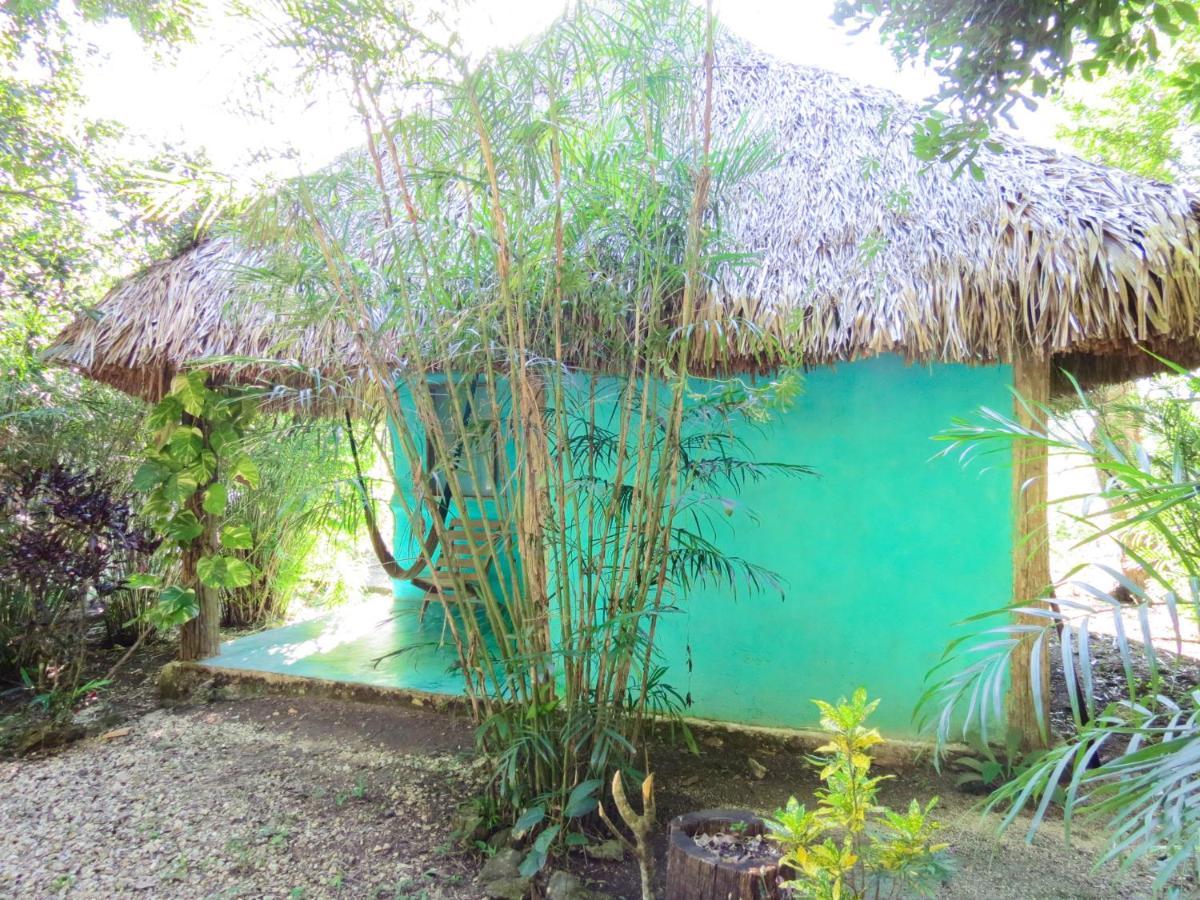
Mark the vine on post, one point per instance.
(194, 464)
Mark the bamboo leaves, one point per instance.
(552, 208)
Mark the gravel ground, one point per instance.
(309, 798)
(263, 798)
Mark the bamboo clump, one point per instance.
(454, 268)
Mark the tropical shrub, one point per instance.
(68, 542)
(243, 498)
(194, 463)
(1127, 763)
(850, 846)
(306, 494)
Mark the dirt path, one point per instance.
(306, 798)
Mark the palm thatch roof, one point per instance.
(861, 250)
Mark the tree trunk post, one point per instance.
(200, 638)
(1030, 553)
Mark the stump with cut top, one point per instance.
(697, 873)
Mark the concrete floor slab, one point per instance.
(352, 644)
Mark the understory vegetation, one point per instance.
(851, 845)
(83, 563)
(1127, 763)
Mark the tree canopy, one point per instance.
(1139, 122)
(993, 54)
(68, 201)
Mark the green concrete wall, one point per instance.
(881, 554)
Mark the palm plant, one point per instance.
(306, 493)
(1129, 763)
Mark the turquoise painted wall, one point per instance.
(881, 554)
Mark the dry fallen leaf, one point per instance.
(114, 734)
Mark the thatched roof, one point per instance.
(1048, 254)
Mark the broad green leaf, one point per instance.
(582, 799)
(216, 498)
(180, 486)
(528, 820)
(165, 415)
(222, 438)
(184, 527)
(157, 506)
(150, 475)
(176, 605)
(546, 838)
(245, 471)
(185, 444)
(142, 580)
(224, 572)
(236, 537)
(188, 388)
(535, 861)
(205, 466)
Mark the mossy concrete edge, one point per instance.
(183, 682)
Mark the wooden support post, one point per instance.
(1030, 552)
(200, 638)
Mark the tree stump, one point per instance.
(697, 873)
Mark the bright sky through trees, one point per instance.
(200, 99)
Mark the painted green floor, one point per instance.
(345, 644)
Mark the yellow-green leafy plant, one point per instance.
(851, 846)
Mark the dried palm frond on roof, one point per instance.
(859, 250)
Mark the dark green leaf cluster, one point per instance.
(993, 54)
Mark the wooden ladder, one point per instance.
(467, 542)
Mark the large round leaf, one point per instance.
(236, 537)
(150, 475)
(189, 389)
(224, 572)
(175, 606)
(185, 444)
(180, 486)
(184, 527)
(245, 471)
(216, 498)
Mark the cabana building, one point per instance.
(974, 288)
